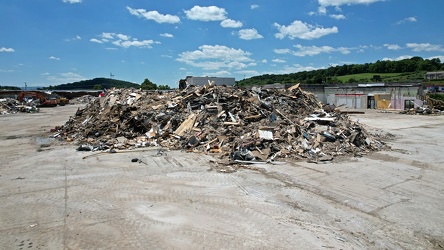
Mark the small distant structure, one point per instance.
(202, 80)
(437, 75)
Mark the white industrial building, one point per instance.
(202, 80)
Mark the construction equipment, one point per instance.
(38, 97)
(62, 101)
(434, 103)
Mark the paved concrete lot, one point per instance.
(52, 198)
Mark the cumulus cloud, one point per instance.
(407, 20)
(122, 37)
(441, 58)
(219, 73)
(397, 58)
(62, 78)
(72, 1)
(301, 30)
(95, 40)
(336, 3)
(210, 13)
(418, 47)
(278, 61)
(153, 15)
(77, 37)
(249, 34)
(288, 69)
(392, 46)
(216, 57)
(54, 58)
(123, 41)
(323, 4)
(167, 35)
(3, 49)
(312, 50)
(254, 6)
(228, 23)
(337, 17)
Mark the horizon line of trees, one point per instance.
(322, 76)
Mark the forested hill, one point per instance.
(402, 70)
(96, 83)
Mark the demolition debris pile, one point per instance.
(12, 106)
(241, 124)
(433, 107)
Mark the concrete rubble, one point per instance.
(434, 107)
(12, 106)
(252, 125)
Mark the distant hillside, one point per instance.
(10, 87)
(412, 69)
(96, 83)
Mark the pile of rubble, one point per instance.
(425, 110)
(433, 107)
(240, 124)
(12, 106)
(83, 99)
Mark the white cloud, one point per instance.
(46, 74)
(136, 43)
(123, 37)
(282, 51)
(264, 61)
(228, 23)
(323, 4)
(107, 35)
(124, 41)
(7, 70)
(392, 46)
(312, 50)
(278, 61)
(153, 15)
(3, 49)
(288, 69)
(397, 58)
(337, 17)
(301, 30)
(54, 58)
(72, 1)
(418, 47)
(62, 78)
(249, 34)
(210, 13)
(216, 57)
(77, 37)
(218, 73)
(441, 58)
(167, 35)
(94, 40)
(336, 3)
(322, 10)
(254, 6)
(407, 20)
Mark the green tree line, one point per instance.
(329, 75)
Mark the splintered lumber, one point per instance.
(186, 125)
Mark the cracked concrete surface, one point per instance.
(51, 198)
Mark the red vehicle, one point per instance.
(43, 101)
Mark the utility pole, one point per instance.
(26, 85)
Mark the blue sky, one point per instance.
(51, 42)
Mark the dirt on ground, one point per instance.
(54, 197)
